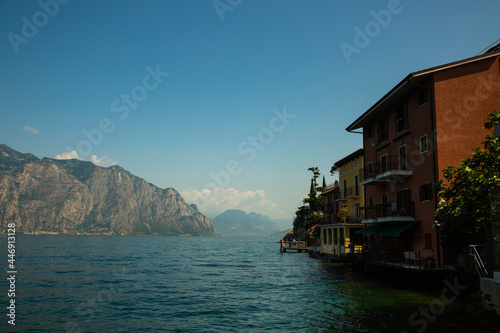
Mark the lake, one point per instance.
(205, 284)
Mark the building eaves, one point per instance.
(330, 189)
(349, 157)
(406, 85)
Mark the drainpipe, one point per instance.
(434, 152)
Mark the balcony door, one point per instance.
(403, 160)
(383, 163)
(404, 202)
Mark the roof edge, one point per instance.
(349, 157)
(356, 124)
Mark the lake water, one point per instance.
(202, 284)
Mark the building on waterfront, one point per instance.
(430, 120)
(330, 195)
(350, 170)
(343, 208)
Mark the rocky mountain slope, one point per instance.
(72, 196)
(238, 223)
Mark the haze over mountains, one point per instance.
(73, 196)
(238, 223)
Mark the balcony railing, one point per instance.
(350, 192)
(391, 211)
(337, 218)
(386, 169)
(354, 218)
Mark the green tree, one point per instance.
(314, 200)
(464, 209)
(310, 214)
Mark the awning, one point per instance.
(370, 229)
(395, 229)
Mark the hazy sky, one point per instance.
(233, 99)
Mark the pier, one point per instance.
(298, 246)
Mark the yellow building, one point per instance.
(339, 237)
(350, 170)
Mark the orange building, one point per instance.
(430, 120)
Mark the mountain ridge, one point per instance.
(73, 196)
(235, 222)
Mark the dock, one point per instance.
(298, 246)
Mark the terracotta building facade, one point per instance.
(432, 119)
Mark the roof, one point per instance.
(494, 48)
(349, 157)
(408, 84)
(330, 188)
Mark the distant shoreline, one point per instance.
(94, 234)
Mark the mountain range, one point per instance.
(238, 223)
(72, 196)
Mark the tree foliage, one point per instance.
(464, 210)
(310, 214)
(314, 200)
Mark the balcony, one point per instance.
(349, 192)
(388, 168)
(337, 219)
(393, 212)
(354, 218)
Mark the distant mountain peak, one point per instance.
(235, 222)
(10, 158)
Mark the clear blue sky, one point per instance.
(262, 87)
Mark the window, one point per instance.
(428, 241)
(401, 122)
(369, 132)
(370, 202)
(385, 199)
(369, 169)
(356, 163)
(335, 236)
(402, 157)
(426, 192)
(382, 130)
(341, 236)
(423, 144)
(404, 202)
(383, 163)
(356, 185)
(343, 167)
(421, 98)
(344, 188)
(356, 210)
